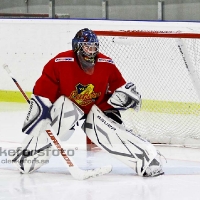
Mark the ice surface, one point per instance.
(53, 180)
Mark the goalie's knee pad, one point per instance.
(64, 114)
(37, 115)
(129, 148)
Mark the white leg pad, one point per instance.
(64, 114)
(36, 147)
(129, 148)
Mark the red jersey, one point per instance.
(62, 75)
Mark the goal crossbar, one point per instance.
(165, 66)
(138, 33)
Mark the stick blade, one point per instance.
(93, 173)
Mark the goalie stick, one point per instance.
(16, 83)
(75, 171)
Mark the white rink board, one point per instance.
(28, 44)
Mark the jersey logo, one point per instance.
(105, 60)
(64, 59)
(84, 94)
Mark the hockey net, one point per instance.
(165, 66)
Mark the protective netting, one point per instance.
(171, 106)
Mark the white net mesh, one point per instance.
(171, 107)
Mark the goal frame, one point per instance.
(178, 35)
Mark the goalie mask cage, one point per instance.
(165, 66)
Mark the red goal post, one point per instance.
(151, 33)
(165, 66)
